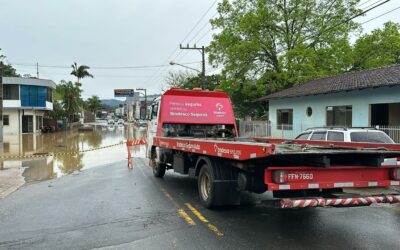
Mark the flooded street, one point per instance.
(66, 147)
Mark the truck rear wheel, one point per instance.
(206, 186)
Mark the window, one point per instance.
(154, 110)
(39, 122)
(377, 137)
(303, 136)
(284, 119)
(6, 120)
(49, 95)
(309, 111)
(33, 96)
(335, 136)
(319, 136)
(339, 116)
(10, 92)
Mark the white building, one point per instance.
(25, 103)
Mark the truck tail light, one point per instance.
(279, 176)
(395, 174)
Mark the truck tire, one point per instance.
(206, 186)
(158, 168)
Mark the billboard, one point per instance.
(124, 92)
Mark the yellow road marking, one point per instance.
(214, 229)
(187, 218)
(203, 219)
(197, 213)
(182, 212)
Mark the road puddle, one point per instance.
(64, 147)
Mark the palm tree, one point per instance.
(80, 72)
(94, 104)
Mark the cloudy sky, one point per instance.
(111, 35)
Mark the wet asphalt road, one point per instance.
(116, 208)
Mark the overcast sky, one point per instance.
(116, 33)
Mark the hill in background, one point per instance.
(111, 103)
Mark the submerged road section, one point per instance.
(112, 207)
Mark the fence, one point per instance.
(286, 131)
(392, 131)
(254, 129)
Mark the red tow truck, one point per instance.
(194, 133)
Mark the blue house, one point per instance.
(361, 99)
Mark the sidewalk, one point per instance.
(10, 180)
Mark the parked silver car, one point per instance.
(368, 135)
(353, 134)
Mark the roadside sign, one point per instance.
(124, 92)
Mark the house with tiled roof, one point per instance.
(359, 99)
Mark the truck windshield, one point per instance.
(365, 136)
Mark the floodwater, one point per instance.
(65, 145)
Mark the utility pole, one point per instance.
(37, 70)
(203, 61)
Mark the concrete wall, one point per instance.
(360, 101)
(15, 118)
(14, 127)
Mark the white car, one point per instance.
(120, 122)
(368, 135)
(111, 122)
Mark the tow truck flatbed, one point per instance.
(194, 132)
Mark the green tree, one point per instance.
(266, 45)
(8, 69)
(187, 80)
(70, 98)
(80, 72)
(379, 48)
(93, 104)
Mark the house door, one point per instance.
(27, 124)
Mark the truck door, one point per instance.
(152, 126)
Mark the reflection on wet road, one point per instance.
(57, 165)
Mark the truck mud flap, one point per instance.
(337, 202)
(228, 190)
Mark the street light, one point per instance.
(174, 63)
(145, 101)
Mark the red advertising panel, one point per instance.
(196, 110)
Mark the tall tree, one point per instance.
(379, 48)
(93, 104)
(80, 72)
(266, 45)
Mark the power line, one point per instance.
(157, 74)
(380, 15)
(98, 67)
(194, 37)
(374, 3)
(361, 4)
(198, 22)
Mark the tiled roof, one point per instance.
(374, 78)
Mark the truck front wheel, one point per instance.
(206, 186)
(158, 168)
